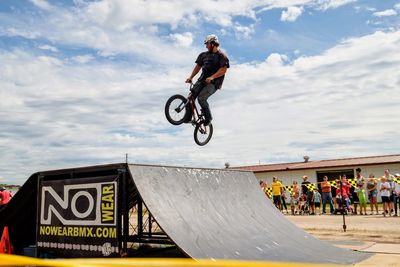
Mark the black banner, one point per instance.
(78, 217)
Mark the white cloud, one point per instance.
(127, 13)
(137, 28)
(182, 39)
(57, 114)
(332, 4)
(83, 59)
(385, 13)
(397, 6)
(48, 47)
(243, 32)
(276, 59)
(319, 105)
(372, 9)
(79, 110)
(291, 14)
(42, 4)
(12, 31)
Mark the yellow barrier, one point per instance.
(13, 260)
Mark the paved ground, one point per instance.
(373, 234)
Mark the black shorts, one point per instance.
(310, 198)
(355, 198)
(391, 198)
(317, 204)
(277, 200)
(385, 199)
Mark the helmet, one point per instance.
(2, 188)
(211, 38)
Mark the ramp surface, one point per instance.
(223, 214)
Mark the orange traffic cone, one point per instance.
(5, 243)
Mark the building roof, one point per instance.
(318, 164)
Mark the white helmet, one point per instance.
(211, 38)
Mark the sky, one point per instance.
(85, 82)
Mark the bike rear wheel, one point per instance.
(203, 134)
(176, 111)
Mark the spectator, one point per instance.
(283, 197)
(343, 191)
(302, 203)
(354, 193)
(396, 192)
(276, 192)
(262, 185)
(360, 189)
(326, 195)
(340, 205)
(294, 197)
(308, 193)
(372, 188)
(5, 197)
(317, 200)
(264, 188)
(389, 178)
(385, 195)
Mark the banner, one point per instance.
(78, 217)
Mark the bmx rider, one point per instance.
(214, 65)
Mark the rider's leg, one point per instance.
(207, 91)
(196, 89)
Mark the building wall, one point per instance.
(287, 177)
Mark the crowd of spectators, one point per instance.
(340, 195)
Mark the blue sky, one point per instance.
(84, 82)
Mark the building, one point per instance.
(316, 170)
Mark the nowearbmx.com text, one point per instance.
(78, 231)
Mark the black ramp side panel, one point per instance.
(223, 214)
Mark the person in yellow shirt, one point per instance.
(277, 192)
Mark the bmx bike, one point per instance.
(180, 109)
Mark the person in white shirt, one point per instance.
(396, 193)
(389, 179)
(385, 194)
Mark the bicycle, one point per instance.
(180, 109)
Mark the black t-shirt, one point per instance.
(210, 63)
(304, 188)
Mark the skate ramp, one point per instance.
(223, 214)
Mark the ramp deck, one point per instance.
(223, 214)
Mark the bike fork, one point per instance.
(180, 107)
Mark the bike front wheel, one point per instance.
(176, 110)
(203, 134)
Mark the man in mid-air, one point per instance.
(214, 65)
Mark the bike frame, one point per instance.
(193, 107)
(197, 117)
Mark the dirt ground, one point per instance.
(373, 234)
(372, 228)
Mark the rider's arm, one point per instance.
(218, 74)
(196, 70)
